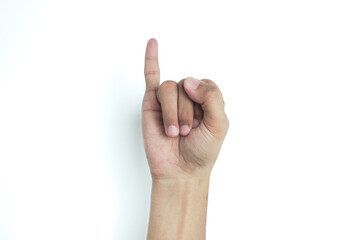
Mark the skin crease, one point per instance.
(180, 162)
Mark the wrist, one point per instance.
(189, 181)
(183, 186)
(178, 208)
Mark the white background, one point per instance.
(72, 163)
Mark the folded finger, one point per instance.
(167, 95)
(185, 110)
(198, 115)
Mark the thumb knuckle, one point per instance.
(212, 90)
(213, 94)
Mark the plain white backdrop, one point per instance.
(72, 162)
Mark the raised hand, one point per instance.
(184, 124)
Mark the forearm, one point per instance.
(178, 209)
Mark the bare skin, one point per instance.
(184, 126)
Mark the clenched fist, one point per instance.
(184, 123)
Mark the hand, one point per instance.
(184, 124)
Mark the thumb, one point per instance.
(206, 93)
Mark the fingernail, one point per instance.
(172, 131)
(184, 130)
(193, 83)
(195, 123)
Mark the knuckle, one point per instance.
(151, 72)
(185, 121)
(165, 87)
(186, 111)
(227, 122)
(170, 121)
(181, 82)
(170, 117)
(212, 86)
(209, 82)
(213, 92)
(168, 84)
(181, 85)
(224, 126)
(185, 116)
